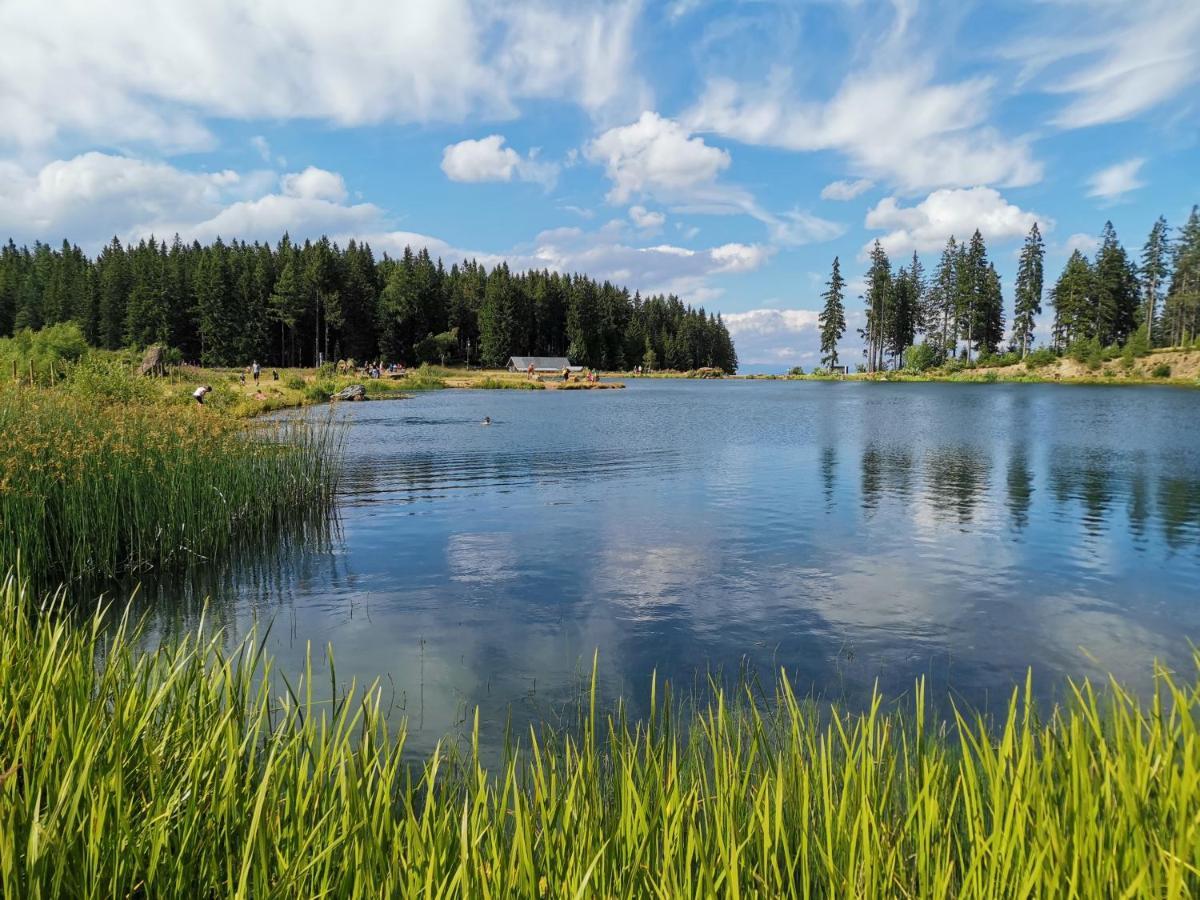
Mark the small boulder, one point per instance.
(351, 392)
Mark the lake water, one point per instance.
(849, 533)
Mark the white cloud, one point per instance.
(928, 224)
(654, 155)
(758, 322)
(1084, 243)
(1117, 180)
(1122, 59)
(778, 339)
(646, 219)
(314, 184)
(259, 143)
(93, 196)
(657, 157)
(154, 72)
(894, 124)
(488, 159)
(846, 190)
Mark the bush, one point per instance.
(50, 352)
(997, 360)
(920, 357)
(797, 370)
(294, 383)
(105, 377)
(1043, 356)
(319, 391)
(1162, 370)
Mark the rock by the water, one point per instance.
(351, 392)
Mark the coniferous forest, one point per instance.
(959, 309)
(295, 305)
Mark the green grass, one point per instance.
(183, 773)
(507, 384)
(96, 485)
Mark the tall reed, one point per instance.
(181, 773)
(91, 487)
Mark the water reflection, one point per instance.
(685, 528)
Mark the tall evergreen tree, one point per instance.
(1073, 299)
(879, 291)
(1116, 288)
(1027, 297)
(1181, 311)
(1153, 272)
(832, 319)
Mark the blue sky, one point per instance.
(723, 151)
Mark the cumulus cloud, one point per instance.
(895, 124)
(314, 184)
(653, 155)
(1084, 243)
(646, 219)
(778, 339)
(1117, 180)
(928, 224)
(846, 190)
(488, 159)
(154, 72)
(93, 196)
(657, 157)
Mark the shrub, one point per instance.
(319, 391)
(509, 384)
(996, 360)
(49, 352)
(797, 370)
(920, 357)
(1043, 356)
(105, 377)
(294, 383)
(1162, 370)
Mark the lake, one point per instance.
(849, 533)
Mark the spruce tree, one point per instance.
(1072, 299)
(1027, 298)
(1116, 288)
(1153, 273)
(832, 320)
(879, 290)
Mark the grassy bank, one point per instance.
(1178, 367)
(181, 774)
(100, 475)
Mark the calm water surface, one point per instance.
(849, 533)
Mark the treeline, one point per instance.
(226, 304)
(959, 310)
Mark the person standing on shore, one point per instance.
(256, 370)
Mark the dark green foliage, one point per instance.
(228, 304)
(1073, 299)
(832, 320)
(1027, 302)
(878, 296)
(1162, 370)
(921, 357)
(1116, 290)
(1043, 356)
(1181, 310)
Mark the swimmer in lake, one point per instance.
(487, 420)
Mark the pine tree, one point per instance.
(879, 290)
(1116, 288)
(1072, 298)
(832, 320)
(1181, 310)
(1027, 299)
(942, 302)
(1153, 273)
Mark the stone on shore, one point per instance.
(351, 392)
